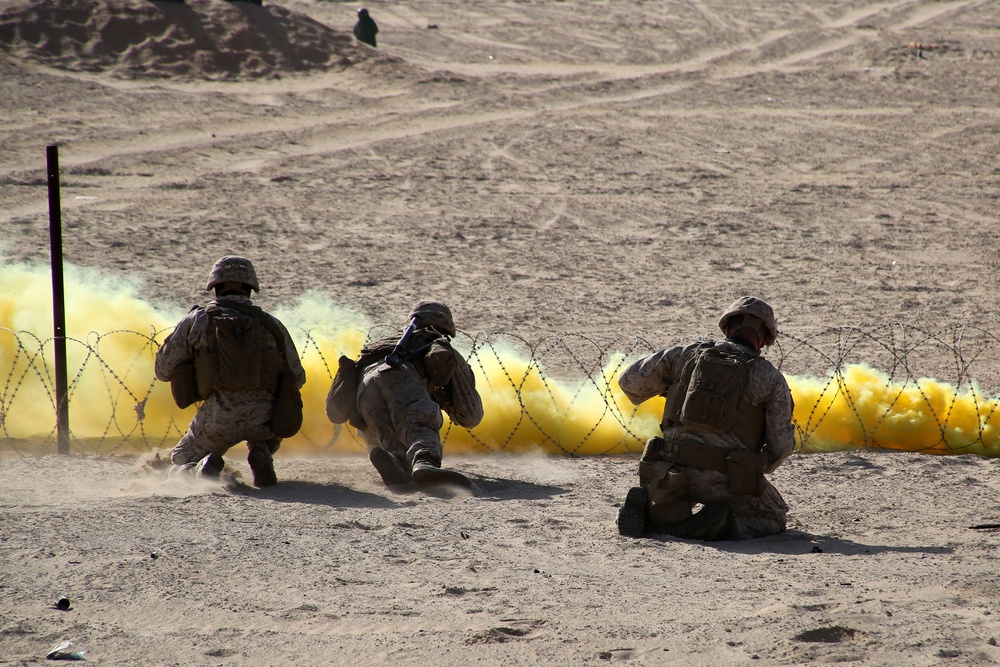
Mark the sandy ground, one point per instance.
(544, 167)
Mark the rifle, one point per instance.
(400, 355)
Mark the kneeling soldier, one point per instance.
(726, 423)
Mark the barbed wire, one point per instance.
(562, 388)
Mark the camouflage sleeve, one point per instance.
(466, 408)
(779, 434)
(649, 377)
(292, 355)
(175, 351)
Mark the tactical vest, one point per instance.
(420, 344)
(710, 396)
(427, 350)
(236, 358)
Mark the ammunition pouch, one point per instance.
(342, 399)
(184, 386)
(746, 472)
(286, 420)
(665, 484)
(744, 468)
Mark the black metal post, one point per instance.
(58, 299)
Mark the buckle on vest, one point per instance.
(671, 450)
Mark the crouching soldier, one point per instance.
(727, 422)
(243, 364)
(395, 392)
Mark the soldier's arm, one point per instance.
(779, 434)
(466, 407)
(175, 351)
(292, 355)
(649, 377)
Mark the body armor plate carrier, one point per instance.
(710, 396)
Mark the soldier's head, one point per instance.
(362, 13)
(751, 319)
(233, 275)
(436, 315)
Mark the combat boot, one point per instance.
(394, 472)
(184, 469)
(262, 464)
(211, 466)
(711, 523)
(428, 472)
(632, 515)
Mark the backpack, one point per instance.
(709, 395)
(236, 361)
(342, 399)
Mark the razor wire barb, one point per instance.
(553, 373)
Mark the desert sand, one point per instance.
(601, 169)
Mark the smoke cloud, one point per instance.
(116, 403)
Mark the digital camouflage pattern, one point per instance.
(235, 269)
(753, 307)
(765, 386)
(434, 314)
(401, 414)
(225, 418)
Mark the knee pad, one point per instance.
(667, 502)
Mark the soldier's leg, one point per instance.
(660, 497)
(261, 460)
(196, 455)
(752, 517)
(386, 454)
(420, 424)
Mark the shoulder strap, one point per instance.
(678, 390)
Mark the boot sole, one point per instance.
(440, 477)
(709, 524)
(211, 466)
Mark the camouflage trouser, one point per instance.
(401, 416)
(226, 419)
(757, 516)
(750, 516)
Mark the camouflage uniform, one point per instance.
(765, 387)
(401, 406)
(225, 418)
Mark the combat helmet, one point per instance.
(750, 306)
(233, 268)
(434, 314)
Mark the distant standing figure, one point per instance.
(365, 29)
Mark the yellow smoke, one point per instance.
(862, 408)
(116, 404)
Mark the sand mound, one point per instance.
(209, 39)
